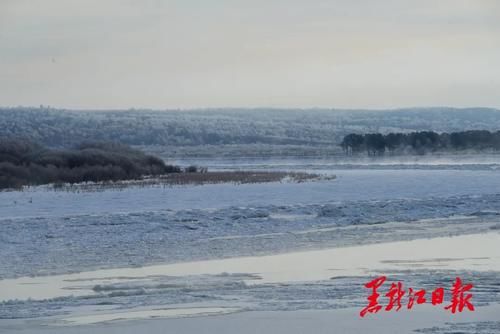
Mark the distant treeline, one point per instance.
(26, 163)
(420, 142)
(228, 127)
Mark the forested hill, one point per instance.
(312, 127)
(421, 142)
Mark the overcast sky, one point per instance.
(276, 53)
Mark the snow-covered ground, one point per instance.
(90, 257)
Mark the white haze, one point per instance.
(169, 54)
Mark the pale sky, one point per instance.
(252, 53)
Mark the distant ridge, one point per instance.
(233, 126)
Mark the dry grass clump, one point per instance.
(234, 177)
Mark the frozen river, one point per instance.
(46, 234)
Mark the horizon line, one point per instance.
(260, 108)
